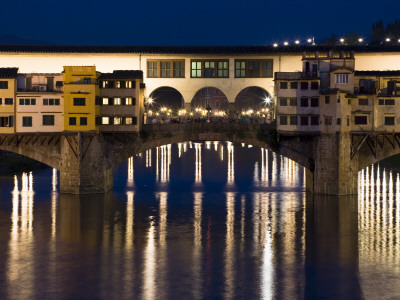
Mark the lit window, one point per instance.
(128, 121)
(117, 101)
(128, 101)
(117, 121)
(105, 101)
(196, 69)
(105, 120)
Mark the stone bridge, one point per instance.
(86, 159)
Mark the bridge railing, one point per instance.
(205, 127)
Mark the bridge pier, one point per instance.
(335, 173)
(83, 165)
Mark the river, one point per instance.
(210, 220)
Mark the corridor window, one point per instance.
(210, 69)
(342, 78)
(252, 68)
(152, 70)
(105, 101)
(165, 69)
(223, 70)
(27, 101)
(179, 69)
(196, 69)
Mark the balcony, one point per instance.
(40, 89)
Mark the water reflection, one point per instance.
(270, 241)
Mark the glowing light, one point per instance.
(342, 40)
(275, 45)
(297, 42)
(150, 100)
(309, 40)
(360, 40)
(267, 100)
(286, 43)
(387, 39)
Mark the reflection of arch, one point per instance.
(210, 97)
(252, 97)
(166, 96)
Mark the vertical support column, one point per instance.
(335, 173)
(83, 165)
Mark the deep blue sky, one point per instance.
(190, 22)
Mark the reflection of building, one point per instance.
(210, 97)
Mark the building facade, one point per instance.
(8, 88)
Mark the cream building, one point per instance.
(40, 103)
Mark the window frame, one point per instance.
(262, 69)
(200, 68)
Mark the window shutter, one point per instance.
(133, 101)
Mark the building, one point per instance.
(8, 87)
(40, 103)
(80, 92)
(121, 98)
(329, 95)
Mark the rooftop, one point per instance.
(377, 73)
(8, 72)
(290, 49)
(122, 74)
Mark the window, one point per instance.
(240, 69)
(3, 85)
(196, 69)
(209, 68)
(6, 121)
(293, 120)
(283, 120)
(165, 69)
(152, 70)
(130, 101)
(105, 120)
(360, 120)
(128, 121)
(27, 101)
(79, 101)
(304, 85)
(223, 70)
(314, 120)
(389, 120)
(87, 80)
(282, 101)
(338, 121)
(389, 101)
(283, 85)
(304, 120)
(363, 101)
(179, 69)
(304, 102)
(48, 120)
(83, 121)
(314, 85)
(26, 121)
(342, 78)
(381, 101)
(117, 101)
(294, 85)
(8, 101)
(253, 68)
(327, 99)
(105, 101)
(122, 84)
(117, 121)
(72, 121)
(314, 102)
(328, 121)
(293, 101)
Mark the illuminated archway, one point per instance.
(210, 101)
(165, 98)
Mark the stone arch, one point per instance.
(211, 97)
(166, 96)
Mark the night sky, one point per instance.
(191, 22)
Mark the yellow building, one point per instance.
(80, 91)
(8, 89)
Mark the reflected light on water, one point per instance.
(197, 241)
(198, 163)
(130, 180)
(149, 272)
(231, 164)
(230, 246)
(148, 158)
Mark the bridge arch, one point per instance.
(166, 96)
(252, 98)
(211, 97)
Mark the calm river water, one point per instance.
(200, 221)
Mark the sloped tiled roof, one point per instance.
(122, 74)
(377, 73)
(8, 72)
(291, 49)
